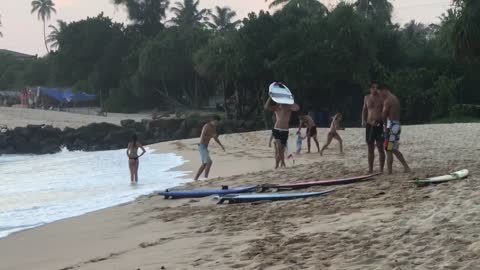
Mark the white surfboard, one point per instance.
(280, 93)
(444, 178)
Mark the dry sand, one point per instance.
(20, 117)
(385, 223)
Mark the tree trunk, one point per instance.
(45, 36)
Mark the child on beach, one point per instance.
(300, 139)
(333, 134)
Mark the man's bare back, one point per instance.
(374, 106)
(308, 121)
(392, 108)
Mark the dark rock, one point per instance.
(127, 122)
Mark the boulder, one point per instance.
(127, 122)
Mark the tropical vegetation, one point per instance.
(326, 56)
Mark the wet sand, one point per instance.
(385, 223)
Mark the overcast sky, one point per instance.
(24, 33)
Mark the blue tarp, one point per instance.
(66, 95)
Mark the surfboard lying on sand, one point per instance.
(234, 198)
(280, 93)
(184, 194)
(458, 175)
(326, 182)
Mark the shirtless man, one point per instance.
(391, 113)
(209, 131)
(281, 128)
(373, 122)
(311, 130)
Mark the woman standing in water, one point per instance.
(132, 153)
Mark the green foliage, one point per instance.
(222, 20)
(465, 110)
(326, 57)
(188, 15)
(147, 15)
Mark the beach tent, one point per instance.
(65, 95)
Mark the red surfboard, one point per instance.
(326, 182)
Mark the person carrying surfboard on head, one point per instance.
(391, 114)
(209, 131)
(280, 131)
(373, 123)
(333, 134)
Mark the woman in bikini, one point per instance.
(132, 153)
(333, 134)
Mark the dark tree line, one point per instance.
(327, 57)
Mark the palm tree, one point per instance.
(148, 14)
(381, 9)
(276, 3)
(54, 34)
(44, 8)
(222, 20)
(187, 14)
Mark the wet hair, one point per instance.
(216, 118)
(134, 138)
(372, 82)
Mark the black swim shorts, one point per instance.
(281, 135)
(374, 133)
(312, 132)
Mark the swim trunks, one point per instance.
(333, 134)
(312, 131)
(392, 135)
(374, 133)
(281, 135)
(204, 154)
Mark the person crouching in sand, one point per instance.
(280, 131)
(333, 134)
(133, 157)
(391, 113)
(209, 131)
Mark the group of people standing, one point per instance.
(380, 117)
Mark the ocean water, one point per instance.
(35, 190)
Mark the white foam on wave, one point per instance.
(35, 190)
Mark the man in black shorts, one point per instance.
(373, 122)
(311, 130)
(281, 128)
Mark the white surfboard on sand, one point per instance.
(444, 178)
(280, 93)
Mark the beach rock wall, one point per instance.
(44, 139)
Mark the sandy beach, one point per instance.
(385, 223)
(20, 117)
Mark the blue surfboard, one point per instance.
(184, 194)
(234, 198)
